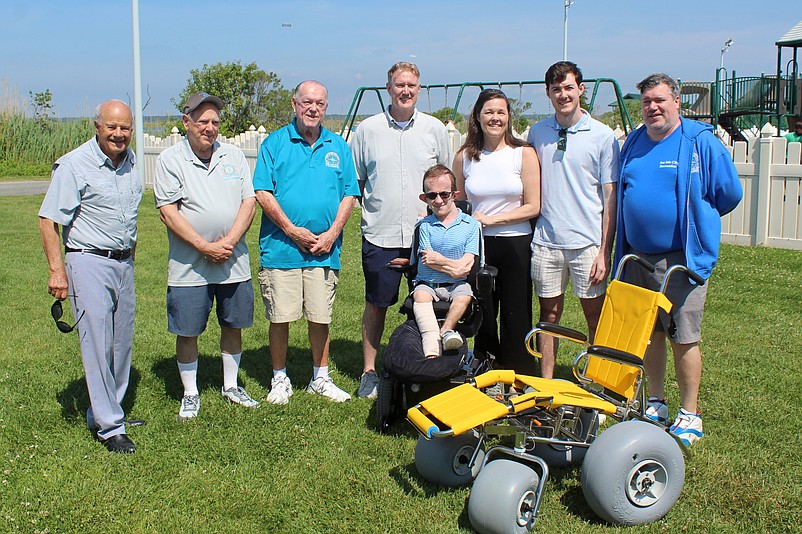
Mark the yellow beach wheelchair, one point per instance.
(632, 473)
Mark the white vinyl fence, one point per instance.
(771, 175)
(769, 167)
(248, 142)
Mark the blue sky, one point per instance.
(82, 50)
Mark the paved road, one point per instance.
(17, 189)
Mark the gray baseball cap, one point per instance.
(200, 98)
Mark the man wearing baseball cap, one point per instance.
(205, 197)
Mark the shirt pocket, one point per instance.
(101, 187)
(136, 193)
(422, 148)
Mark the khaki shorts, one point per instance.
(551, 268)
(290, 294)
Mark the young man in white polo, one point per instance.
(574, 233)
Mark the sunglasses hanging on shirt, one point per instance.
(563, 142)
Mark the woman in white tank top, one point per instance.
(500, 175)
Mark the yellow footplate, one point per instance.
(458, 409)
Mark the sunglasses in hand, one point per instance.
(57, 311)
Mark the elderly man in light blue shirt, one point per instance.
(94, 196)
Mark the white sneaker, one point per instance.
(687, 427)
(326, 387)
(190, 405)
(657, 410)
(280, 390)
(452, 340)
(368, 385)
(238, 395)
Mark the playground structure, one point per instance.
(738, 104)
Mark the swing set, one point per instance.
(596, 83)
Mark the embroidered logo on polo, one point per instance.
(229, 172)
(332, 160)
(668, 164)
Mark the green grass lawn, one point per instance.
(315, 466)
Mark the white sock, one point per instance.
(278, 373)
(230, 369)
(429, 331)
(189, 377)
(320, 372)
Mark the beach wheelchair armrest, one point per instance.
(615, 355)
(553, 330)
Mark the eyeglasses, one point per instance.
(306, 103)
(57, 312)
(563, 142)
(445, 195)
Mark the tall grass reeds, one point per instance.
(29, 146)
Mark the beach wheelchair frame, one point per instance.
(632, 473)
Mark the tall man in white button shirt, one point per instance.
(391, 150)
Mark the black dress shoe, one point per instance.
(119, 443)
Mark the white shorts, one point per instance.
(551, 268)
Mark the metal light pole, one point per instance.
(727, 45)
(565, 28)
(138, 128)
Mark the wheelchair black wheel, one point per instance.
(385, 405)
(568, 455)
(503, 498)
(446, 461)
(633, 473)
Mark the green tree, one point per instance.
(445, 114)
(614, 118)
(517, 109)
(583, 102)
(42, 104)
(251, 95)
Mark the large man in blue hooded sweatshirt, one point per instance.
(677, 180)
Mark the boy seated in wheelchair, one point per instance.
(447, 248)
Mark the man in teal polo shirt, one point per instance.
(305, 181)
